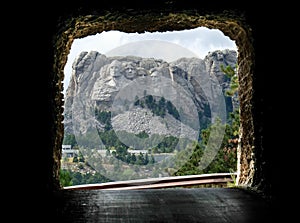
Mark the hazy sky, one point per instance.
(162, 45)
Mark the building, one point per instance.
(68, 152)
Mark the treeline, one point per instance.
(70, 178)
(163, 144)
(225, 159)
(158, 107)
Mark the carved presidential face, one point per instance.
(115, 69)
(155, 76)
(130, 71)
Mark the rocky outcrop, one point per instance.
(195, 87)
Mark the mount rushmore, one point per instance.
(194, 87)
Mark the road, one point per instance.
(172, 205)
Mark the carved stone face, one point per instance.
(141, 72)
(130, 71)
(115, 69)
(155, 77)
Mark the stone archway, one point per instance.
(249, 172)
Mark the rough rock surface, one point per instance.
(113, 84)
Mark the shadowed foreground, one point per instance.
(162, 205)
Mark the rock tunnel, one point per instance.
(239, 23)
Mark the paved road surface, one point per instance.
(209, 205)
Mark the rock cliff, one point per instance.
(148, 95)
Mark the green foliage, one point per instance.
(75, 159)
(104, 117)
(142, 135)
(172, 110)
(158, 108)
(234, 85)
(226, 157)
(230, 72)
(69, 140)
(65, 178)
(167, 145)
(88, 178)
(109, 138)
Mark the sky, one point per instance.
(169, 45)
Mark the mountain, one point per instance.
(136, 95)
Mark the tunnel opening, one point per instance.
(232, 27)
(185, 57)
